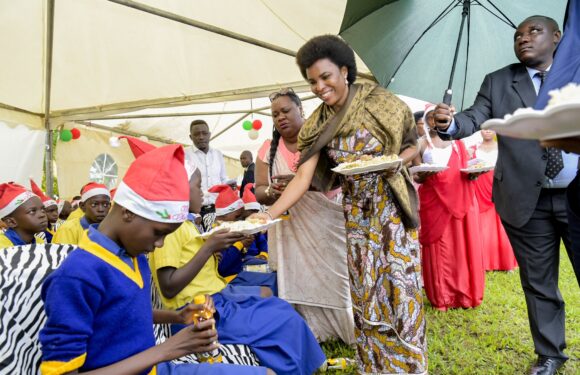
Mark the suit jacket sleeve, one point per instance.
(469, 121)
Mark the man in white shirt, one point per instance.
(208, 160)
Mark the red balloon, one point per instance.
(76, 134)
(257, 125)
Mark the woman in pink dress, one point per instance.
(452, 258)
(497, 250)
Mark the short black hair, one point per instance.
(548, 20)
(327, 47)
(418, 115)
(198, 122)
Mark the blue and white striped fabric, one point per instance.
(22, 272)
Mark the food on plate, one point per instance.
(565, 95)
(237, 226)
(361, 161)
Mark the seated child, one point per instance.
(64, 210)
(76, 212)
(186, 266)
(259, 248)
(251, 250)
(51, 210)
(23, 214)
(95, 203)
(98, 302)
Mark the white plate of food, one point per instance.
(477, 166)
(427, 168)
(560, 119)
(367, 163)
(248, 226)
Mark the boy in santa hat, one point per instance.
(258, 248)
(186, 266)
(51, 210)
(95, 203)
(23, 214)
(98, 302)
(231, 208)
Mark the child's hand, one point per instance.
(248, 240)
(185, 315)
(222, 239)
(198, 338)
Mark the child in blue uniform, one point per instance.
(51, 210)
(229, 207)
(98, 302)
(23, 213)
(95, 203)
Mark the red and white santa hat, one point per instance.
(60, 205)
(92, 189)
(250, 202)
(12, 196)
(156, 186)
(227, 200)
(138, 147)
(46, 201)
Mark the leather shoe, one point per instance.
(547, 366)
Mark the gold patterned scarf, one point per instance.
(385, 116)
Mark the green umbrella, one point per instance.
(413, 46)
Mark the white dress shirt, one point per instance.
(212, 167)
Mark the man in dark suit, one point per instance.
(247, 161)
(529, 184)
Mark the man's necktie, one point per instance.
(555, 162)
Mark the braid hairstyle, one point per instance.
(276, 135)
(273, 148)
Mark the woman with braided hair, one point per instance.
(309, 250)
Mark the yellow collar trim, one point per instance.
(100, 252)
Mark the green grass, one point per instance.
(493, 338)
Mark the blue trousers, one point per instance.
(168, 368)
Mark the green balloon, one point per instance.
(247, 125)
(65, 135)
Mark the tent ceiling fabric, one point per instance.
(106, 53)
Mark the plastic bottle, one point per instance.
(336, 364)
(213, 356)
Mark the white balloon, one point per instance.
(253, 134)
(114, 142)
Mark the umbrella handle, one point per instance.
(447, 96)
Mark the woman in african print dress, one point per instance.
(380, 207)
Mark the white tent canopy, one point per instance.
(110, 57)
(67, 60)
(103, 63)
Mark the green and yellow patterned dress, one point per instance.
(384, 268)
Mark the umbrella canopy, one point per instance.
(410, 45)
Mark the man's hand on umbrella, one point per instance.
(443, 115)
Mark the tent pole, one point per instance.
(203, 26)
(47, 88)
(89, 124)
(212, 97)
(229, 126)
